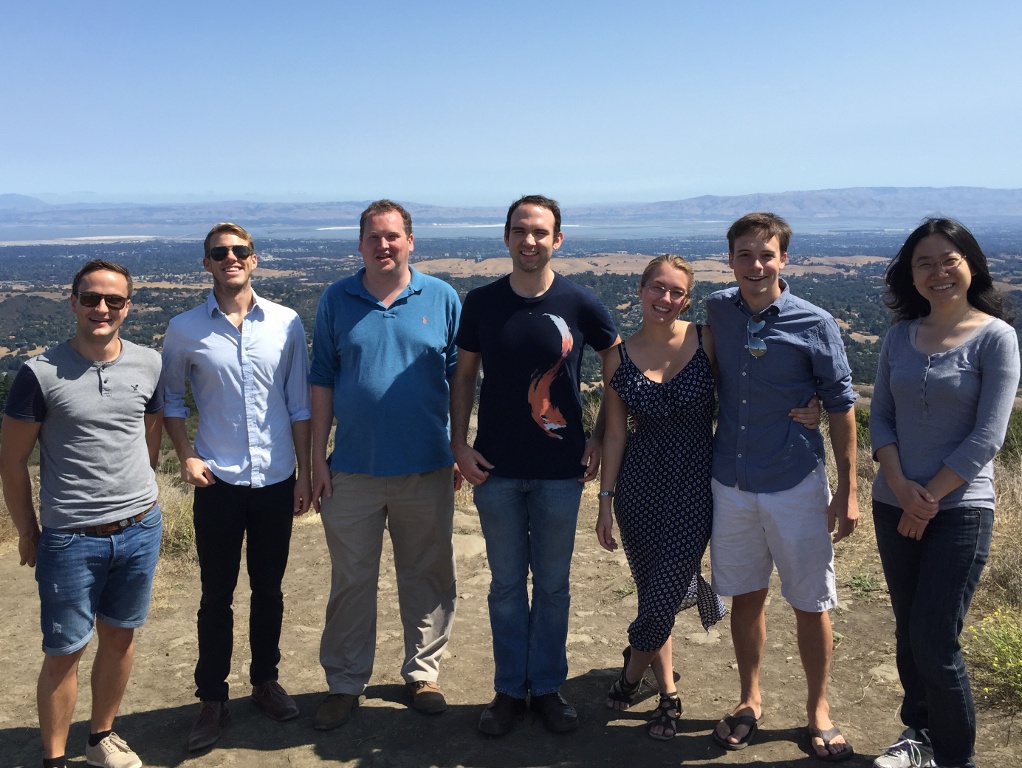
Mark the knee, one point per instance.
(116, 639)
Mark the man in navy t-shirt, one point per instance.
(530, 457)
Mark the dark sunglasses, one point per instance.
(220, 252)
(757, 347)
(91, 299)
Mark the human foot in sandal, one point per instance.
(736, 730)
(622, 693)
(663, 723)
(829, 745)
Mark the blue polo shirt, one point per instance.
(389, 369)
(757, 447)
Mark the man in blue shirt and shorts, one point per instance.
(383, 350)
(771, 499)
(247, 361)
(93, 405)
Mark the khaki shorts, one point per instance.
(752, 532)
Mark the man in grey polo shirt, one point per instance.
(771, 500)
(93, 406)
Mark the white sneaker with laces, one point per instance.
(912, 750)
(112, 752)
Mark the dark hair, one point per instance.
(767, 224)
(906, 303)
(538, 200)
(384, 206)
(97, 265)
(230, 228)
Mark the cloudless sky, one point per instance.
(475, 103)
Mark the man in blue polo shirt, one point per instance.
(383, 350)
(771, 500)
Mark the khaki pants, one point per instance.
(418, 510)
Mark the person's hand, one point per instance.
(809, 415)
(322, 483)
(915, 499)
(473, 465)
(302, 494)
(911, 526)
(195, 472)
(28, 546)
(459, 479)
(605, 530)
(591, 458)
(842, 515)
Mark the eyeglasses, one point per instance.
(658, 292)
(91, 299)
(220, 252)
(757, 347)
(946, 264)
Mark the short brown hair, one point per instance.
(230, 228)
(97, 265)
(384, 206)
(765, 224)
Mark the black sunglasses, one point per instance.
(220, 252)
(757, 347)
(91, 299)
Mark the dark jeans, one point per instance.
(224, 515)
(931, 584)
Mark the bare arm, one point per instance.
(153, 433)
(472, 464)
(300, 435)
(593, 452)
(616, 419)
(193, 469)
(18, 440)
(844, 507)
(322, 420)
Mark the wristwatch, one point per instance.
(606, 494)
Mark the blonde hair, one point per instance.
(674, 261)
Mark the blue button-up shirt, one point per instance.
(249, 386)
(757, 446)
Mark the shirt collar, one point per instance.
(356, 287)
(213, 309)
(773, 309)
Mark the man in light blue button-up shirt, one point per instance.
(247, 361)
(771, 500)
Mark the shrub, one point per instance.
(995, 651)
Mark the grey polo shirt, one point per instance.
(93, 459)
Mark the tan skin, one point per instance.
(96, 338)
(661, 348)
(757, 261)
(951, 322)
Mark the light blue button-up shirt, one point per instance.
(757, 447)
(249, 385)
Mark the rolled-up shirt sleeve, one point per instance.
(296, 390)
(174, 375)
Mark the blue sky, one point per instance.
(475, 103)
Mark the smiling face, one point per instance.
(100, 324)
(940, 273)
(385, 245)
(757, 262)
(530, 238)
(665, 295)
(232, 274)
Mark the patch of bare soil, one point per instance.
(158, 707)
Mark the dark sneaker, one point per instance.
(209, 725)
(334, 711)
(557, 715)
(274, 701)
(112, 752)
(501, 715)
(427, 697)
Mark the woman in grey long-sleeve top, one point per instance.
(946, 382)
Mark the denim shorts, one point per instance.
(83, 577)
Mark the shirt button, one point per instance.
(745, 401)
(744, 373)
(739, 455)
(743, 427)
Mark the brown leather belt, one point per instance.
(106, 529)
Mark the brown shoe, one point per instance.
(209, 725)
(335, 711)
(427, 697)
(274, 701)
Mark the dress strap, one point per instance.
(699, 334)
(622, 351)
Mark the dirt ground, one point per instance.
(158, 707)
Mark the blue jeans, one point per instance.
(84, 576)
(529, 524)
(931, 584)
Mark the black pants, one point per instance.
(224, 515)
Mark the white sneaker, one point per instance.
(112, 752)
(912, 750)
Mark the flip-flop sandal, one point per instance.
(827, 737)
(732, 722)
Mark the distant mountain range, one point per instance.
(859, 203)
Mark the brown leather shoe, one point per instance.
(427, 697)
(274, 701)
(335, 711)
(209, 725)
